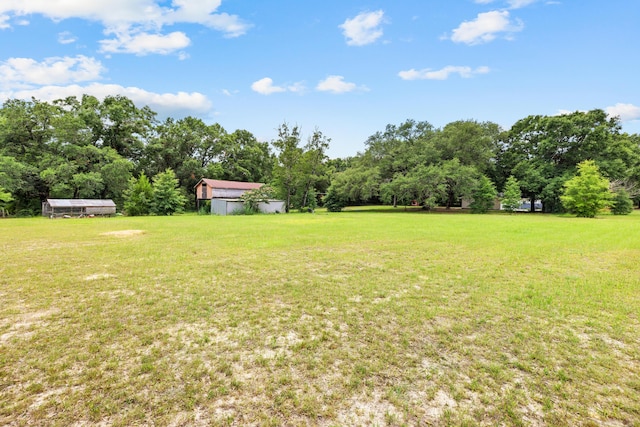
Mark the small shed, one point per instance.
(225, 206)
(55, 208)
(229, 206)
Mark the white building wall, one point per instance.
(274, 206)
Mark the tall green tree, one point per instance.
(358, 184)
(472, 143)
(483, 195)
(400, 148)
(244, 158)
(187, 146)
(312, 169)
(459, 179)
(286, 167)
(587, 193)
(511, 196)
(167, 198)
(125, 127)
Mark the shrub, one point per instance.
(251, 199)
(205, 207)
(137, 198)
(621, 203)
(333, 202)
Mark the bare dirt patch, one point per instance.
(23, 326)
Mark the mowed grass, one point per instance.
(357, 318)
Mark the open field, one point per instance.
(357, 318)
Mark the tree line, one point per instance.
(416, 163)
(87, 148)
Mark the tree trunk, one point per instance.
(286, 207)
(450, 200)
(532, 199)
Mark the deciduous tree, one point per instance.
(587, 193)
(285, 170)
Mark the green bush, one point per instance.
(621, 203)
(246, 209)
(205, 208)
(24, 213)
(333, 202)
(138, 196)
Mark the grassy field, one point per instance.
(357, 318)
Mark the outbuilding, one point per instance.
(56, 208)
(208, 189)
(231, 206)
(225, 196)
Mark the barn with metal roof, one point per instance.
(56, 208)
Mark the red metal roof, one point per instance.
(230, 185)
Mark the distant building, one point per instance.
(225, 196)
(525, 206)
(229, 206)
(56, 208)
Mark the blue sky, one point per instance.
(348, 68)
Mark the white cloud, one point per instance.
(265, 87)
(4, 22)
(66, 37)
(297, 87)
(363, 29)
(113, 13)
(442, 74)
(27, 72)
(517, 4)
(336, 84)
(626, 112)
(163, 103)
(142, 20)
(145, 43)
(485, 28)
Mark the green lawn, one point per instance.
(356, 318)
